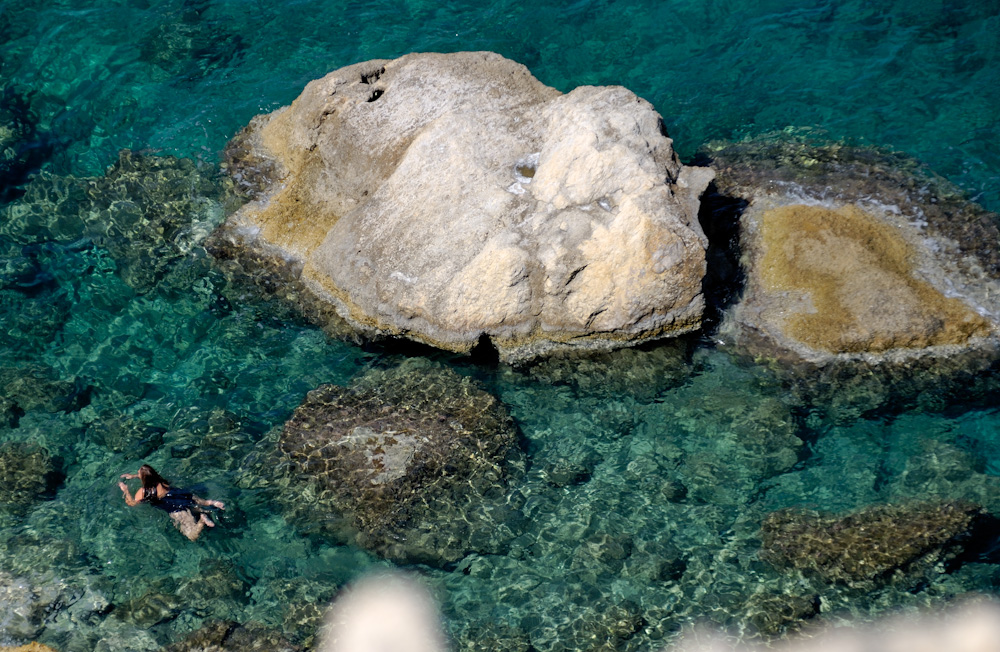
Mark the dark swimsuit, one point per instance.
(176, 500)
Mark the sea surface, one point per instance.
(650, 471)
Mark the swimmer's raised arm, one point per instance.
(129, 499)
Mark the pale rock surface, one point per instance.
(442, 197)
(855, 254)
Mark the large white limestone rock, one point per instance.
(444, 197)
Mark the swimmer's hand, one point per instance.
(121, 485)
(129, 476)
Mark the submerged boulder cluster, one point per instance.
(146, 211)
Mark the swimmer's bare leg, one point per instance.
(186, 523)
(210, 503)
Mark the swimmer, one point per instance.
(182, 505)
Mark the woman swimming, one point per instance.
(182, 505)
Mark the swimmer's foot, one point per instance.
(207, 521)
(217, 503)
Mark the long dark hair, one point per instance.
(150, 478)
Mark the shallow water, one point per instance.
(121, 342)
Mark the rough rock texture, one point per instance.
(27, 474)
(853, 252)
(30, 647)
(146, 211)
(230, 636)
(411, 463)
(869, 544)
(443, 197)
(32, 603)
(22, 147)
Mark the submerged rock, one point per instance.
(33, 603)
(410, 462)
(446, 197)
(28, 473)
(22, 147)
(34, 387)
(230, 636)
(146, 211)
(855, 253)
(870, 544)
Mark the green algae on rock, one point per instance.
(868, 546)
(856, 253)
(410, 462)
(483, 204)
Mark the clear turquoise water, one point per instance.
(111, 364)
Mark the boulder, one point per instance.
(149, 213)
(448, 197)
(854, 253)
(411, 463)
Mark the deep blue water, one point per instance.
(120, 342)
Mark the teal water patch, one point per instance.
(183, 76)
(650, 471)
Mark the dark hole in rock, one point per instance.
(377, 93)
(526, 171)
(719, 216)
(372, 76)
(485, 352)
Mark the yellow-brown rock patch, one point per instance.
(858, 276)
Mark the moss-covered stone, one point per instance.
(771, 613)
(410, 462)
(216, 589)
(39, 388)
(151, 608)
(123, 434)
(868, 545)
(188, 48)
